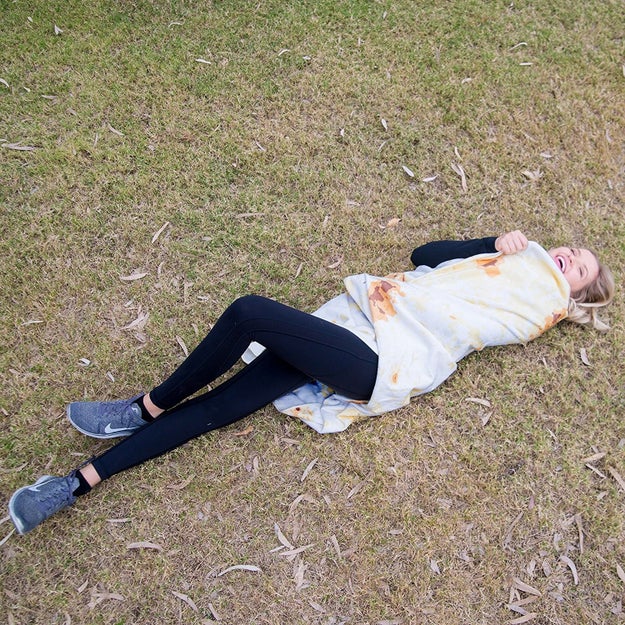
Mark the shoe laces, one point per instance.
(126, 415)
(59, 492)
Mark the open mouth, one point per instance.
(561, 263)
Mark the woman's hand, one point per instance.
(511, 242)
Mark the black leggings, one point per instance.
(299, 348)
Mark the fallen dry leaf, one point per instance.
(133, 276)
(595, 457)
(243, 215)
(408, 171)
(532, 175)
(584, 356)
(335, 544)
(523, 587)
(159, 232)
(336, 263)
(523, 619)
(138, 323)
(17, 146)
(7, 537)
(183, 484)
(519, 606)
(463, 178)
(294, 552)
(246, 432)
(316, 606)
(115, 131)
(82, 587)
(429, 178)
(298, 574)
(182, 345)
(595, 470)
(281, 537)
(614, 473)
(572, 566)
(57, 30)
(5, 83)
(308, 469)
(186, 599)
(299, 498)
(241, 567)
(620, 572)
(144, 545)
(384, 124)
(355, 490)
(392, 223)
(508, 536)
(99, 597)
(478, 400)
(580, 532)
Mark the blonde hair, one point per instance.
(583, 306)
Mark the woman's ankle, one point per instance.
(89, 475)
(151, 408)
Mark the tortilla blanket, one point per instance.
(422, 322)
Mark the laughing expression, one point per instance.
(578, 265)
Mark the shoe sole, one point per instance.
(119, 434)
(19, 526)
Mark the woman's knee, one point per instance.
(245, 307)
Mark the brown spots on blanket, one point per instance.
(399, 277)
(552, 319)
(395, 377)
(489, 265)
(351, 415)
(380, 299)
(549, 322)
(303, 412)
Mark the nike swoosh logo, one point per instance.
(35, 488)
(109, 430)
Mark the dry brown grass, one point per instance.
(270, 166)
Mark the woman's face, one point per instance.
(579, 266)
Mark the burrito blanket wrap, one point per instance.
(422, 322)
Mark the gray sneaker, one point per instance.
(31, 505)
(106, 419)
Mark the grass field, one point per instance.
(266, 143)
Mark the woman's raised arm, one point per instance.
(437, 252)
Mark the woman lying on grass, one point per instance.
(365, 352)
